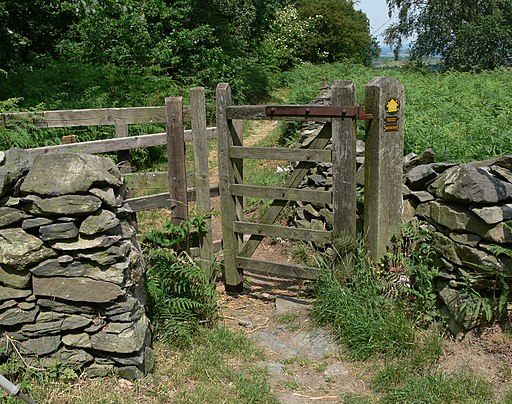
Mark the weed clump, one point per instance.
(181, 296)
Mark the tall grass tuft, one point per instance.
(351, 301)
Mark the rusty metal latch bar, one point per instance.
(318, 111)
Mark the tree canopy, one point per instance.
(467, 34)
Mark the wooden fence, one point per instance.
(173, 114)
(383, 174)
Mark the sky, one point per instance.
(377, 12)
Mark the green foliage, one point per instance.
(208, 373)
(26, 372)
(410, 254)
(351, 301)
(179, 237)
(437, 387)
(463, 117)
(182, 297)
(467, 34)
(286, 37)
(340, 33)
(490, 303)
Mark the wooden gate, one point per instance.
(383, 173)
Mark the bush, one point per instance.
(181, 296)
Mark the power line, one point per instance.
(382, 26)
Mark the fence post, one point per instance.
(124, 158)
(226, 133)
(344, 166)
(201, 174)
(383, 163)
(176, 158)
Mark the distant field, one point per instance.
(462, 116)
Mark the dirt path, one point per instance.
(303, 362)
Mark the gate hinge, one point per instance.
(317, 111)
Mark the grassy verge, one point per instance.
(399, 338)
(217, 366)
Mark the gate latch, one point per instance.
(317, 111)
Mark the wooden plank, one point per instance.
(237, 135)
(124, 158)
(344, 164)
(322, 137)
(147, 180)
(257, 112)
(287, 194)
(383, 164)
(277, 153)
(110, 145)
(163, 200)
(176, 157)
(92, 117)
(246, 112)
(269, 230)
(234, 281)
(201, 175)
(273, 268)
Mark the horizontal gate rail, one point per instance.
(272, 230)
(276, 153)
(122, 143)
(321, 138)
(273, 268)
(286, 194)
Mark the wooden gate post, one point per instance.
(383, 163)
(176, 158)
(228, 136)
(201, 174)
(344, 165)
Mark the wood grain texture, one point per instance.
(279, 153)
(272, 230)
(383, 166)
(286, 194)
(234, 280)
(201, 175)
(110, 145)
(176, 158)
(93, 117)
(344, 163)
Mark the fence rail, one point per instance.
(173, 114)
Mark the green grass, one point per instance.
(461, 116)
(361, 318)
(437, 387)
(218, 366)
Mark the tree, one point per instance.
(30, 28)
(341, 32)
(467, 34)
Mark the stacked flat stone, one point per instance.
(313, 215)
(71, 269)
(470, 207)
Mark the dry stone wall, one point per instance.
(468, 206)
(71, 269)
